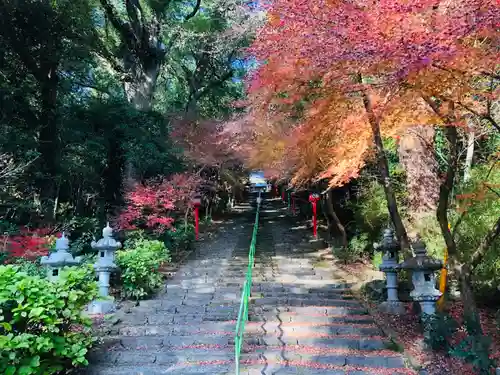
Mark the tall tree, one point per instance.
(45, 38)
(383, 66)
(146, 37)
(372, 74)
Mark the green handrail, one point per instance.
(245, 295)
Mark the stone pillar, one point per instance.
(58, 259)
(390, 266)
(423, 270)
(105, 264)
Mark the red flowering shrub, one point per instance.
(29, 243)
(153, 204)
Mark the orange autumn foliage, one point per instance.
(337, 54)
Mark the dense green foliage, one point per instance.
(72, 128)
(140, 265)
(42, 326)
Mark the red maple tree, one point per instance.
(363, 70)
(342, 74)
(152, 205)
(29, 243)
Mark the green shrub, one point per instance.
(42, 328)
(140, 267)
(355, 251)
(132, 236)
(476, 350)
(30, 267)
(482, 213)
(440, 328)
(181, 238)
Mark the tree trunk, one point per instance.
(416, 154)
(139, 92)
(470, 149)
(48, 136)
(385, 179)
(327, 217)
(471, 314)
(140, 89)
(336, 220)
(112, 175)
(461, 271)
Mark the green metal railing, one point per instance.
(245, 295)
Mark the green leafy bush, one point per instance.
(356, 249)
(440, 328)
(30, 267)
(476, 350)
(140, 267)
(181, 238)
(42, 328)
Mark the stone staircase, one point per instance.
(304, 320)
(188, 328)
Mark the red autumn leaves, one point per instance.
(319, 56)
(28, 243)
(153, 204)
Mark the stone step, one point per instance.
(198, 369)
(298, 358)
(164, 357)
(324, 285)
(290, 289)
(308, 369)
(193, 316)
(158, 335)
(301, 354)
(315, 329)
(318, 318)
(330, 341)
(187, 275)
(309, 302)
(200, 290)
(345, 295)
(270, 327)
(308, 310)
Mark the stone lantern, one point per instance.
(58, 259)
(423, 270)
(390, 266)
(105, 264)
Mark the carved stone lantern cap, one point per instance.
(421, 261)
(107, 242)
(61, 257)
(389, 242)
(62, 243)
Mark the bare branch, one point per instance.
(121, 27)
(195, 10)
(9, 168)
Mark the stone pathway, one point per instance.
(187, 329)
(303, 319)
